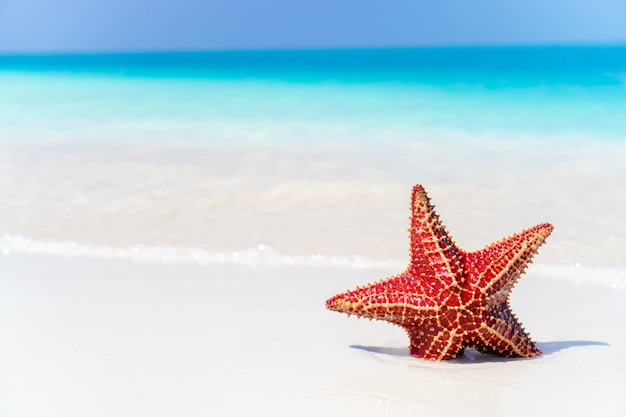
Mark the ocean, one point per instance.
(479, 89)
(309, 156)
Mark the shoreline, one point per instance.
(331, 202)
(612, 276)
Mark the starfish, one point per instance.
(449, 299)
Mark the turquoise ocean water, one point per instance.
(472, 89)
(301, 154)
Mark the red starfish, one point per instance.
(449, 299)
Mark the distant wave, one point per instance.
(612, 276)
(258, 255)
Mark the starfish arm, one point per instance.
(397, 300)
(435, 259)
(502, 334)
(497, 267)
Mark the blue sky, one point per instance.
(131, 25)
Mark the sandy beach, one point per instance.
(137, 288)
(101, 337)
(141, 283)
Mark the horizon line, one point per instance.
(614, 44)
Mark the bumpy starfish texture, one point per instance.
(449, 299)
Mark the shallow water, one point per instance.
(299, 157)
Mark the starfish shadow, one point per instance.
(549, 348)
(391, 351)
(473, 356)
(469, 356)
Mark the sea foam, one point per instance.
(264, 255)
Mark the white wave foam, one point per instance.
(258, 255)
(614, 276)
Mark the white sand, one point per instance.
(225, 330)
(82, 336)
